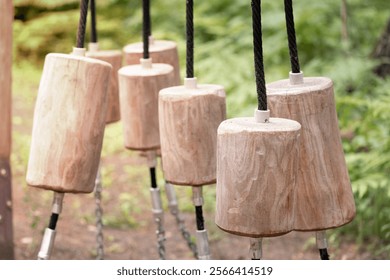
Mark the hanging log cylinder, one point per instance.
(324, 194)
(113, 57)
(257, 166)
(189, 118)
(5, 77)
(69, 121)
(161, 51)
(139, 86)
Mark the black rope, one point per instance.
(190, 38)
(292, 41)
(324, 254)
(199, 218)
(53, 221)
(82, 23)
(94, 37)
(153, 179)
(146, 27)
(258, 52)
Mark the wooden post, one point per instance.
(6, 226)
(324, 194)
(69, 122)
(161, 51)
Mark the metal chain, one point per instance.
(99, 218)
(185, 233)
(160, 238)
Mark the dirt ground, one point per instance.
(76, 230)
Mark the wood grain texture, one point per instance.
(69, 122)
(6, 223)
(114, 58)
(161, 51)
(138, 91)
(189, 119)
(324, 195)
(257, 166)
(6, 17)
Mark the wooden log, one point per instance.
(161, 51)
(5, 77)
(6, 225)
(324, 194)
(139, 86)
(69, 122)
(189, 118)
(257, 166)
(113, 57)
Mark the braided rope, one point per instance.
(258, 54)
(82, 23)
(190, 38)
(146, 27)
(292, 41)
(94, 37)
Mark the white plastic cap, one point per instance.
(146, 63)
(296, 78)
(79, 51)
(190, 83)
(93, 47)
(262, 116)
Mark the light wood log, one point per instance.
(69, 122)
(115, 59)
(138, 91)
(161, 51)
(324, 194)
(257, 166)
(5, 77)
(6, 224)
(189, 118)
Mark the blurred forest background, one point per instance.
(336, 38)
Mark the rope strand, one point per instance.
(258, 54)
(153, 179)
(199, 218)
(292, 41)
(82, 23)
(94, 38)
(190, 38)
(324, 254)
(146, 27)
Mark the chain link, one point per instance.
(184, 232)
(99, 218)
(160, 238)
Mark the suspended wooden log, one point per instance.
(114, 58)
(161, 51)
(324, 195)
(257, 170)
(189, 119)
(6, 228)
(69, 121)
(257, 164)
(139, 86)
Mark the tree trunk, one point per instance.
(382, 52)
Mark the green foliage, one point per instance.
(224, 55)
